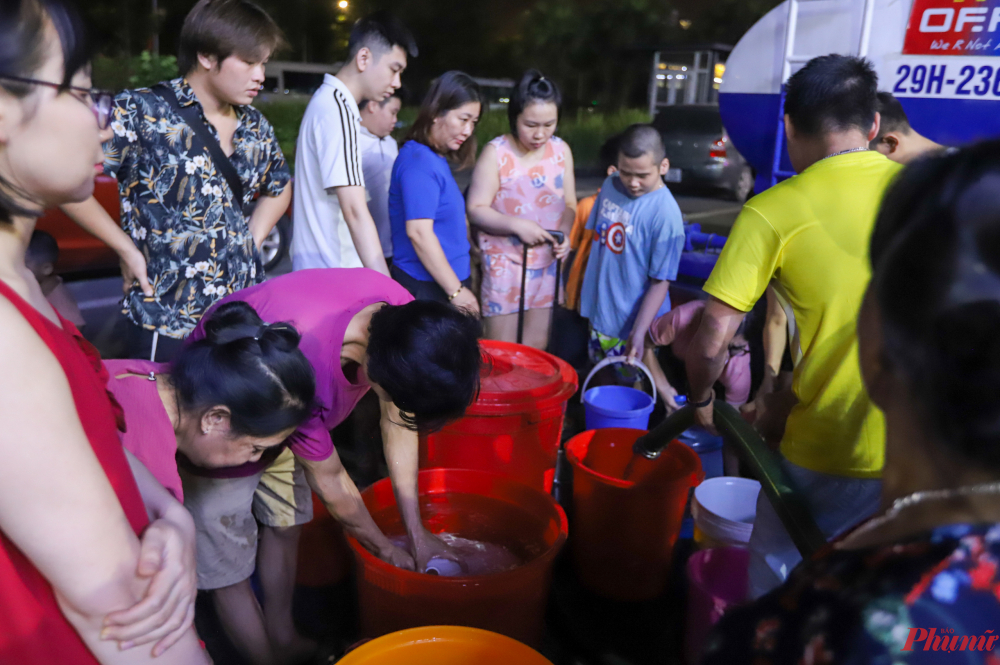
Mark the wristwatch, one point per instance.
(701, 405)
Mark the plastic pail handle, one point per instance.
(612, 360)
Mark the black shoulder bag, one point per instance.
(204, 137)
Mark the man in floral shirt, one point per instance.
(186, 240)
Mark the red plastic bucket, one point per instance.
(515, 424)
(717, 581)
(624, 531)
(477, 505)
(324, 557)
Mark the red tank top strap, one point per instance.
(41, 325)
(46, 329)
(35, 630)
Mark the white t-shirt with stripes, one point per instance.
(327, 155)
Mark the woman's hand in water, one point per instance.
(397, 557)
(427, 546)
(166, 558)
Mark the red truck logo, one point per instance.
(953, 27)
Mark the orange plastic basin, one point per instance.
(444, 645)
(514, 426)
(471, 504)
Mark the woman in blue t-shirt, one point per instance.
(426, 209)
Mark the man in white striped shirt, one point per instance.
(333, 227)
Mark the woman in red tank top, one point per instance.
(70, 509)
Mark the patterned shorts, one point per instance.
(501, 289)
(602, 346)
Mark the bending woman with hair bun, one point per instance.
(522, 188)
(922, 576)
(226, 400)
(360, 330)
(71, 508)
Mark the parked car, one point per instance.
(700, 152)
(80, 252)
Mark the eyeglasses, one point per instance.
(101, 102)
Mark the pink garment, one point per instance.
(677, 329)
(149, 433)
(320, 303)
(534, 193)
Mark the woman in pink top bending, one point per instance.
(360, 330)
(523, 187)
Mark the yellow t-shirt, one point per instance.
(810, 234)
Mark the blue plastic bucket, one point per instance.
(709, 449)
(617, 406)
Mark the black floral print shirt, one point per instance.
(934, 599)
(179, 209)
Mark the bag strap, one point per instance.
(203, 136)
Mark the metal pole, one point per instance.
(866, 28)
(790, 27)
(654, 90)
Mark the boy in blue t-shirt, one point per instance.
(638, 240)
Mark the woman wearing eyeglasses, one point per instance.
(71, 511)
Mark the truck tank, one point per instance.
(939, 57)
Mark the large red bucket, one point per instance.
(476, 505)
(324, 557)
(515, 424)
(624, 531)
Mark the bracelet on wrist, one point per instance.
(701, 405)
(455, 294)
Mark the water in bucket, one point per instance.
(478, 557)
(476, 506)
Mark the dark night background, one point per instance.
(598, 50)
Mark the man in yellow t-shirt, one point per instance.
(810, 236)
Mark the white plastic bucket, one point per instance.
(724, 510)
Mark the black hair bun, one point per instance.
(279, 336)
(232, 321)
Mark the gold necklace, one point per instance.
(844, 152)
